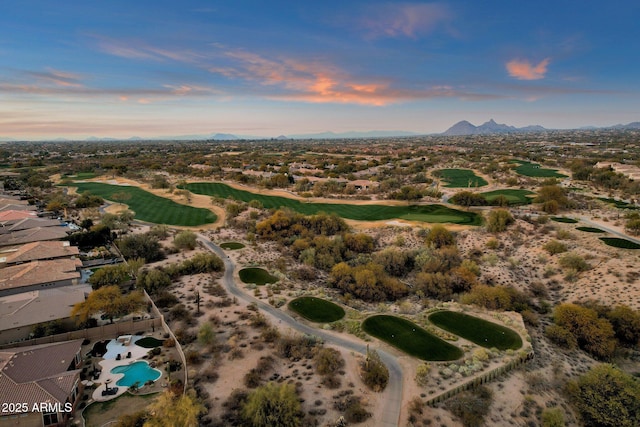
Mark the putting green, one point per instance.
(620, 243)
(410, 338)
(149, 207)
(460, 178)
(317, 309)
(231, 246)
(256, 275)
(484, 333)
(513, 196)
(535, 171)
(425, 213)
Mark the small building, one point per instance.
(38, 251)
(41, 382)
(38, 234)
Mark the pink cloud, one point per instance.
(405, 19)
(524, 70)
(320, 82)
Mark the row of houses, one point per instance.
(40, 274)
(40, 281)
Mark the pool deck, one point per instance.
(109, 362)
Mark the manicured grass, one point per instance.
(590, 229)
(620, 243)
(149, 207)
(149, 342)
(460, 178)
(564, 219)
(410, 338)
(317, 309)
(535, 171)
(101, 413)
(424, 213)
(620, 204)
(514, 196)
(231, 246)
(259, 276)
(479, 331)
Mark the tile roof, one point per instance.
(41, 250)
(29, 308)
(26, 223)
(16, 207)
(33, 235)
(12, 215)
(38, 373)
(39, 272)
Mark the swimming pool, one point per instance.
(137, 372)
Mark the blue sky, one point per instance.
(149, 68)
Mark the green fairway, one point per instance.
(410, 338)
(149, 207)
(590, 229)
(424, 213)
(535, 171)
(513, 196)
(460, 178)
(256, 275)
(231, 246)
(479, 331)
(620, 243)
(317, 309)
(620, 204)
(564, 219)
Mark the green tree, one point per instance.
(439, 237)
(170, 411)
(143, 246)
(374, 372)
(499, 220)
(206, 334)
(153, 280)
(185, 240)
(273, 405)
(606, 397)
(552, 417)
(109, 301)
(593, 334)
(328, 361)
(108, 275)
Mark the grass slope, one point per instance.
(514, 196)
(149, 207)
(479, 331)
(460, 178)
(620, 204)
(620, 243)
(535, 171)
(256, 275)
(317, 309)
(425, 213)
(410, 338)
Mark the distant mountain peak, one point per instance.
(491, 127)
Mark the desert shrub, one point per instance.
(471, 407)
(572, 260)
(606, 397)
(185, 240)
(553, 417)
(165, 299)
(593, 334)
(374, 373)
(554, 247)
(422, 374)
(297, 348)
(273, 405)
(439, 237)
(328, 361)
(498, 220)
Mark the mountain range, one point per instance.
(459, 129)
(487, 128)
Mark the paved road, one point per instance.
(393, 402)
(609, 230)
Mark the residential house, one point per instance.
(37, 275)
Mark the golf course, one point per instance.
(534, 170)
(482, 332)
(432, 213)
(256, 275)
(149, 207)
(460, 178)
(410, 338)
(317, 309)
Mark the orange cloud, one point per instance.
(524, 70)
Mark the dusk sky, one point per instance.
(114, 68)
